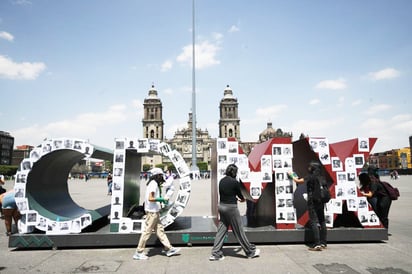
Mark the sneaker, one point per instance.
(256, 253)
(140, 256)
(315, 248)
(172, 251)
(216, 258)
(323, 246)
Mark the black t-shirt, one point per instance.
(378, 189)
(229, 189)
(313, 188)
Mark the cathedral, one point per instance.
(229, 127)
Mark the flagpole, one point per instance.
(194, 143)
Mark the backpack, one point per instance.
(393, 192)
(321, 191)
(324, 193)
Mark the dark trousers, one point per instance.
(383, 206)
(317, 223)
(230, 216)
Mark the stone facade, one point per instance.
(229, 127)
(182, 142)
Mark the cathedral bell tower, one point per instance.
(153, 116)
(229, 122)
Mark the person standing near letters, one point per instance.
(315, 206)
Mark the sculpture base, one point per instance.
(191, 230)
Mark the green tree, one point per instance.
(147, 167)
(202, 166)
(8, 170)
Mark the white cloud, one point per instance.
(168, 91)
(206, 52)
(391, 133)
(377, 108)
(314, 101)
(84, 125)
(388, 73)
(24, 71)
(316, 127)
(136, 103)
(271, 112)
(332, 84)
(341, 101)
(22, 2)
(234, 29)
(166, 66)
(171, 130)
(6, 36)
(356, 102)
(217, 36)
(402, 122)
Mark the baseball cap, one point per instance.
(156, 171)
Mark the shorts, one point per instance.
(8, 201)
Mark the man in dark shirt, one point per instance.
(230, 194)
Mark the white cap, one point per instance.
(156, 171)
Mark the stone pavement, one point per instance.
(392, 256)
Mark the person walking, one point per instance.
(152, 206)
(315, 206)
(230, 194)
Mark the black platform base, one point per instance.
(190, 231)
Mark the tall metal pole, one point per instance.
(194, 150)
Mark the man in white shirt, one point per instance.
(153, 198)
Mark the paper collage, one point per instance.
(31, 218)
(178, 199)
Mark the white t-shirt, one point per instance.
(152, 206)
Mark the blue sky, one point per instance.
(335, 69)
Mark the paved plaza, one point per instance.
(392, 256)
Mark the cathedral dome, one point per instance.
(228, 93)
(153, 93)
(268, 133)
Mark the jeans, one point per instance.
(317, 223)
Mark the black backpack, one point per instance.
(324, 193)
(320, 190)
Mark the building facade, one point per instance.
(6, 148)
(229, 127)
(392, 159)
(182, 142)
(20, 153)
(153, 116)
(229, 121)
